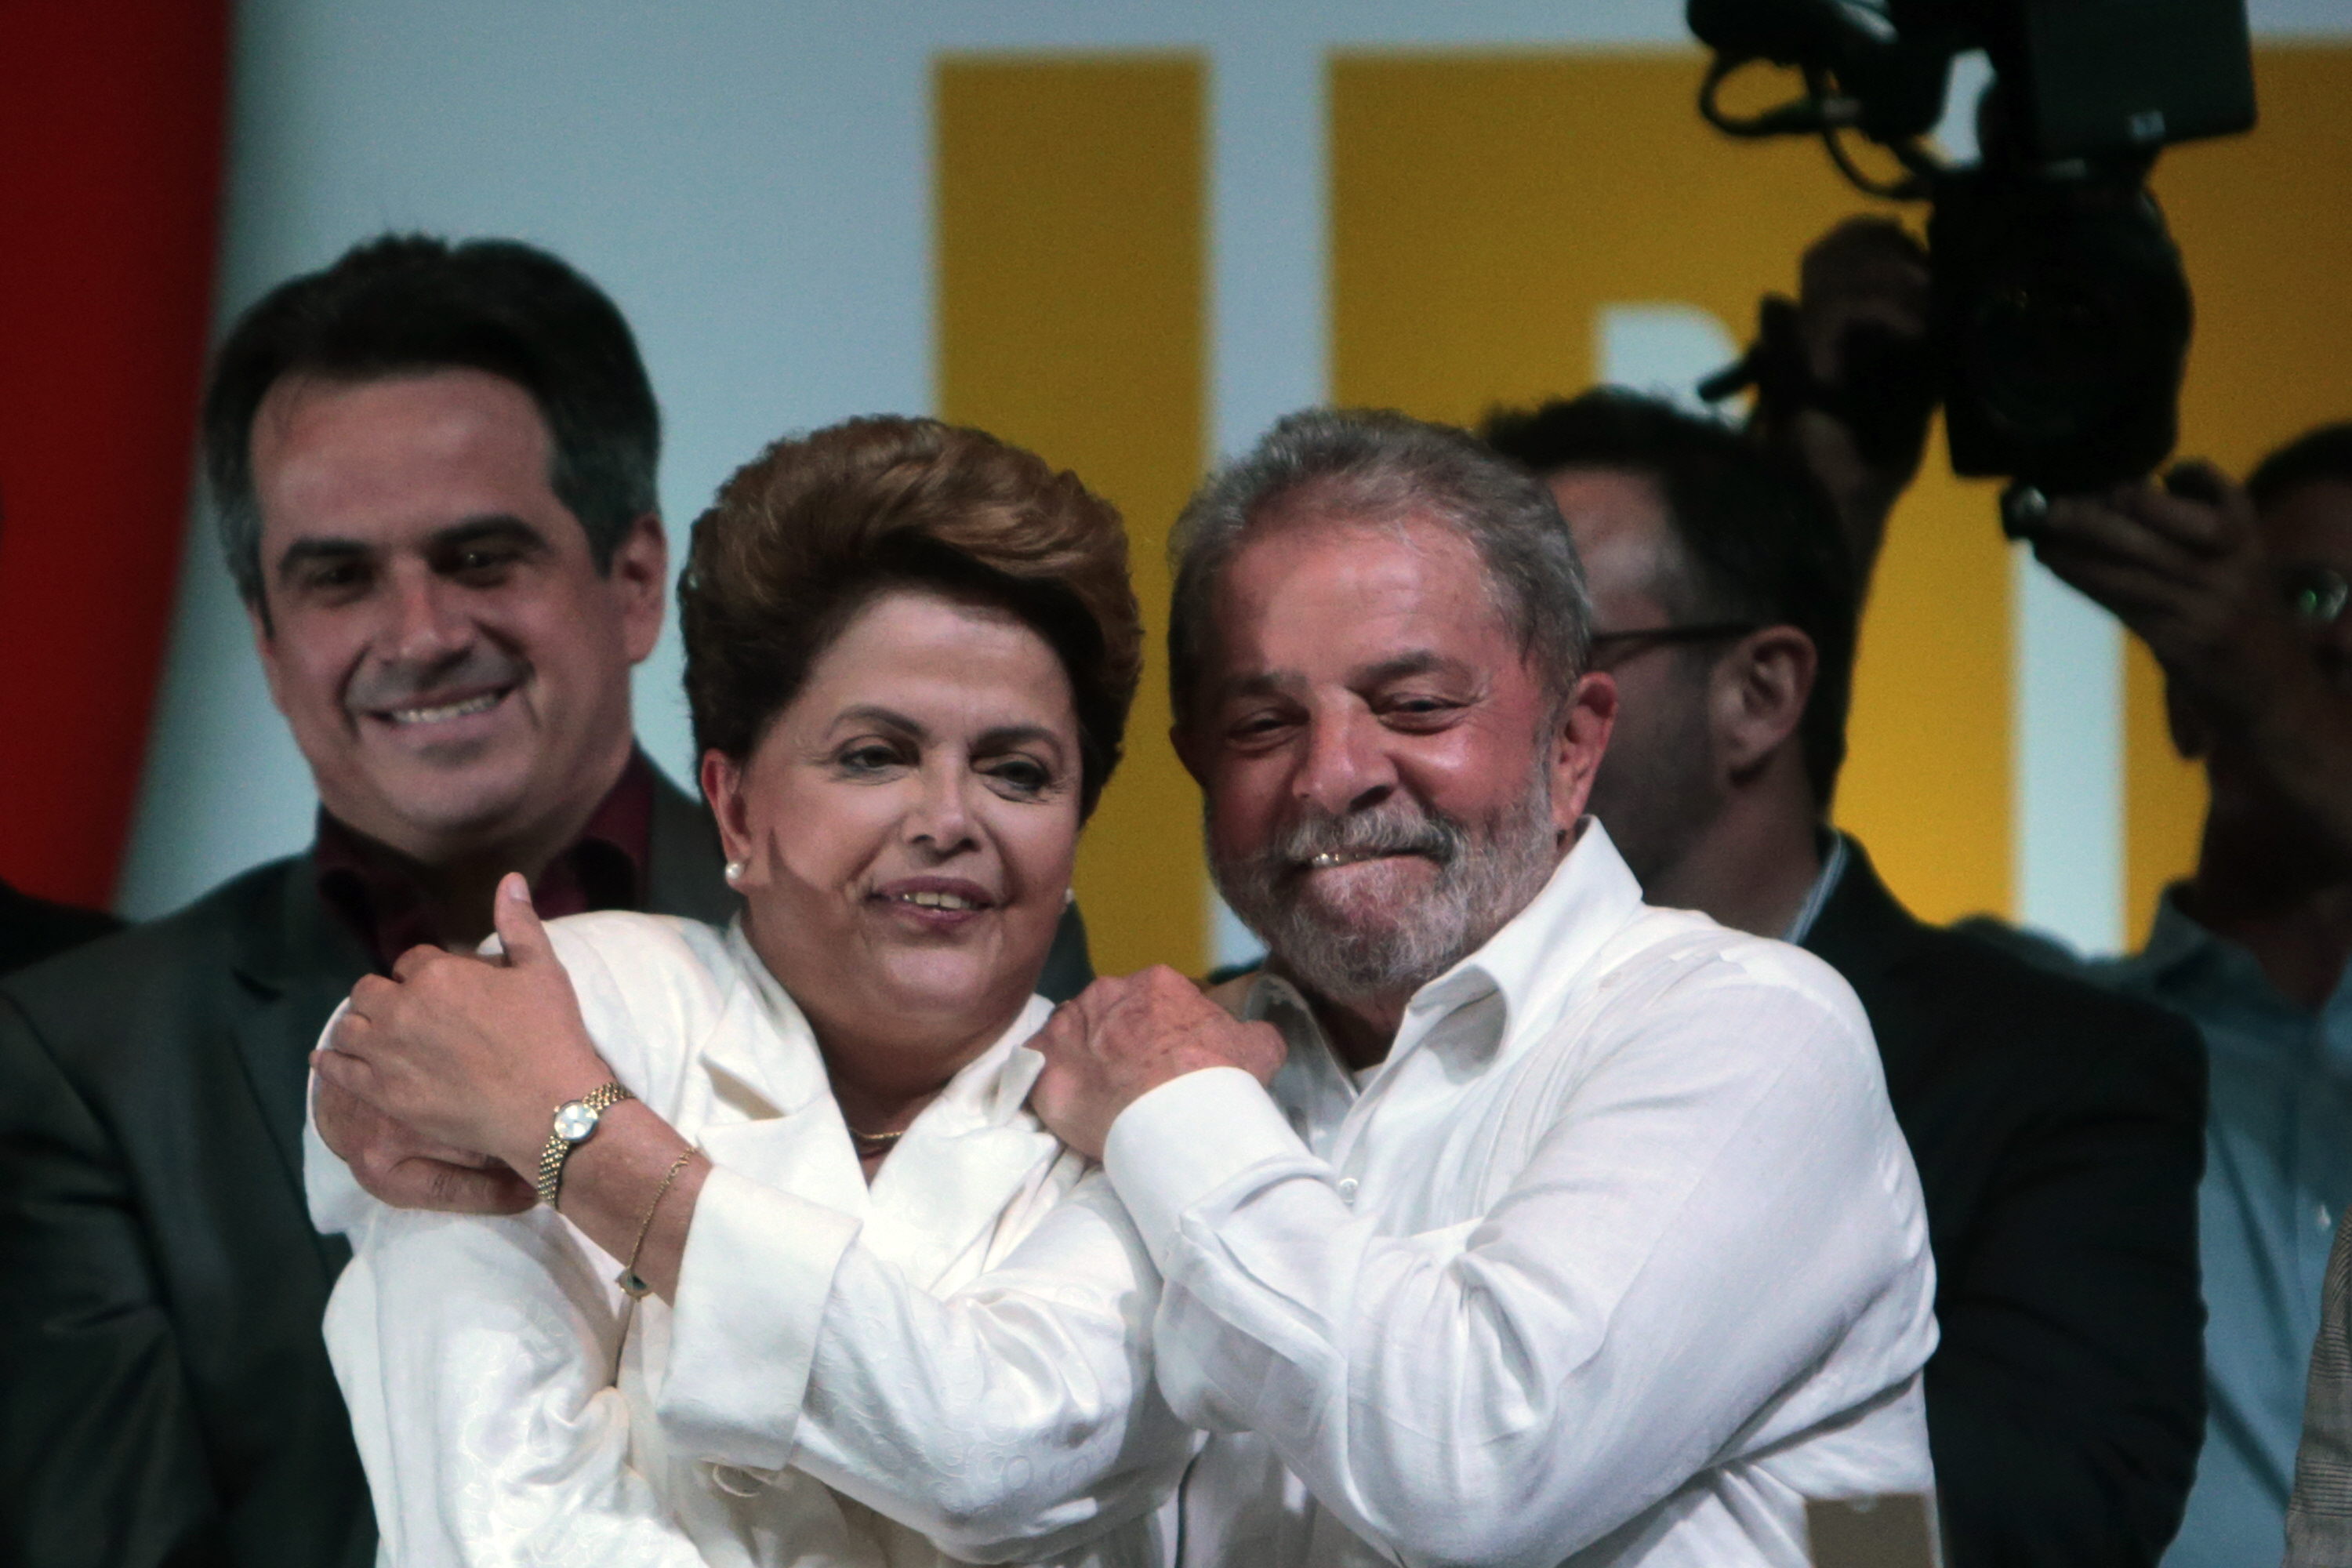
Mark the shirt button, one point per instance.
(1347, 1189)
(734, 1480)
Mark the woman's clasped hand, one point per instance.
(434, 1047)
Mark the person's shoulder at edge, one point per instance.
(157, 966)
(2038, 948)
(1750, 1023)
(2015, 1007)
(33, 928)
(2124, 975)
(2026, 971)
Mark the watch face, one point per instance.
(575, 1121)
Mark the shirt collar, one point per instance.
(1537, 956)
(1825, 884)
(2176, 939)
(375, 891)
(1591, 896)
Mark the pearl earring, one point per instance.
(1069, 896)
(734, 872)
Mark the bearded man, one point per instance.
(1569, 1229)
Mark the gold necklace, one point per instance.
(869, 1145)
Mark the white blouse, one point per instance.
(949, 1364)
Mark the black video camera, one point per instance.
(2060, 311)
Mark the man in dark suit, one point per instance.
(434, 474)
(2057, 1130)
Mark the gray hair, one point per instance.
(1376, 465)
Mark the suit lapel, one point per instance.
(772, 1117)
(298, 963)
(802, 1151)
(292, 972)
(939, 1193)
(963, 1161)
(1866, 935)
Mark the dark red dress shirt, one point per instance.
(375, 891)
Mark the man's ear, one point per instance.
(639, 575)
(1578, 739)
(1756, 696)
(722, 788)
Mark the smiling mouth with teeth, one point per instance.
(446, 710)
(1328, 858)
(932, 900)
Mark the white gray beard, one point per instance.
(1486, 875)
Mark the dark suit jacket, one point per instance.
(2059, 1133)
(165, 1392)
(34, 929)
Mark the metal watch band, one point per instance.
(559, 1148)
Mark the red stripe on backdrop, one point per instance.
(110, 133)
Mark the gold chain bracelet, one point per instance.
(636, 1290)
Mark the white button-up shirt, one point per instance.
(1617, 1258)
(951, 1363)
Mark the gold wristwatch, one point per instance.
(575, 1122)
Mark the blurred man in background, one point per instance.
(2057, 1129)
(434, 469)
(2241, 595)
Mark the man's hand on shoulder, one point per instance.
(399, 1167)
(1124, 1037)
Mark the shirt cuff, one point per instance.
(751, 1293)
(339, 1204)
(1177, 1144)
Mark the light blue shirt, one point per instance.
(2278, 1172)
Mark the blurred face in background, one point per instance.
(2307, 534)
(454, 667)
(1658, 788)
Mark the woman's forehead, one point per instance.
(939, 658)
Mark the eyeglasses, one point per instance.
(2314, 596)
(1643, 639)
